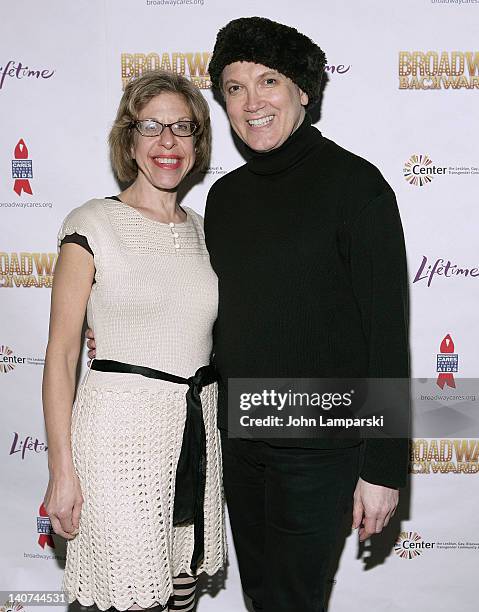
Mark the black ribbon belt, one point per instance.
(191, 469)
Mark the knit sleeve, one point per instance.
(85, 225)
(379, 277)
(84, 221)
(76, 239)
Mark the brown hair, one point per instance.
(135, 97)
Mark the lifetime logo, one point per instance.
(419, 170)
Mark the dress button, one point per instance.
(177, 246)
(171, 224)
(176, 235)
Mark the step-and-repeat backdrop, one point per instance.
(402, 91)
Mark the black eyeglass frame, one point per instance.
(136, 123)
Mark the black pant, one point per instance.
(286, 507)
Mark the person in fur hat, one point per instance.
(307, 243)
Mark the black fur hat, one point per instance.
(277, 46)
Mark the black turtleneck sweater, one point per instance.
(308, 247)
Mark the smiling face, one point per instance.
(164, 161)
(264, 106)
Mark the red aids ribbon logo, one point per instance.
(44, 528)
(21, 169)
(447, 362)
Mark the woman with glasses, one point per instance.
(135, 466)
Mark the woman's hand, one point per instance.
(90, 343)
(63, 502)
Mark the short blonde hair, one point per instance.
(136, 96)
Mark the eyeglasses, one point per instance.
(151, 127)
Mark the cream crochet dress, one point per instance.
(153, 303)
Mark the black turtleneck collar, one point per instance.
(290, 153)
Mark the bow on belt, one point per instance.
(191, 469)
